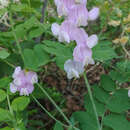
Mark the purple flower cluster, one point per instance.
(23, 81)
(76, 15)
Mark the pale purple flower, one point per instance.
(13, 88)
(17, 71)
(73, 68)
(31, 77)
(78, 15)
(81, 36)
(25, 89)
(129, 93)
(83, 54)
(63, 6)
(23, 81)
(93, 14)
(65, 32)
(55, 28)
(92, 41)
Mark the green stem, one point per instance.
(11, 111)
(11, 65)
(14, 33)
(48, 112)
(92, 100)
(29, 3)
(53, 102)
(105, 109)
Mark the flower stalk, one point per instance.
(92, 100)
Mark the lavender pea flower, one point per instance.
(81, 36)
(129, 93)
(83, 54)
(63, 6)
(92, 41)
(78, 15)
(65, 32)
(23, 81)
(73, 68)
(93, 14)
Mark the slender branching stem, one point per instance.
(92, 100)
(11, 112)
(14, 34)
(57, 107)
(48, 112)
(53, 102)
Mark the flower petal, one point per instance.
(73, 68)
(81, 52)
(93, 14)
(13, 88)
(129, 93)
(92, 41)
(55, 28)
(64, 37)
(31, 77)
(16, 71)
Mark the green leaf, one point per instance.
(57, 48)
(42, 55)
(117, 122)
(119, 101)
(86, 120)
(2, 95)
(118, 76)
(36, 57)
(3, 54)
(103, 51)
(31, 61)
(21, 8)
(6, 128)
(61, 52)
(20, 31)
(107, 83)
(4, 82)
(21, 126)
(5, 115)
(20, 103)
(100, 94)
(60, 61)
(58, 126)
(124, 66)
(32, 22)
(89, 108)
(36, 32)
(107, 128)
